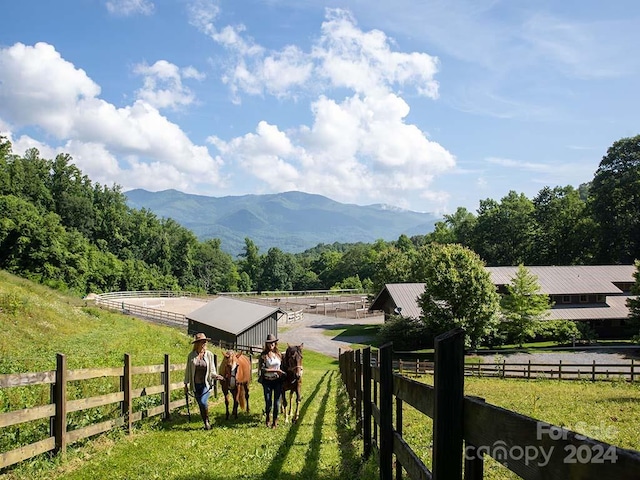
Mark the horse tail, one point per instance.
(240, 396)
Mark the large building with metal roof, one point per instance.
(596, 294)
(235, 321)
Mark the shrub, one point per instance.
(562, 331)
(405, 333)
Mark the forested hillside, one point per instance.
(60, 228)
(290, 221)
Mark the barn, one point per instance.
(235, 321)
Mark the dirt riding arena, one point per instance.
(311, 316)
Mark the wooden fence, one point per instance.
(627, 371)
(61, 406)
(118, 301)
(465, 428)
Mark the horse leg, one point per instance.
(226, 403)
(283, 406)
(295, 416)
(235, 404)
(289, 405)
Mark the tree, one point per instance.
(505, 231)
(634, 304)
(565, 233)
(392, 266)
(456, 228)
(250, 263)
(615, 202)
(458, 291)
(523, 305)
(277, 270)
(214, 269)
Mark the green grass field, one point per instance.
(36, 323)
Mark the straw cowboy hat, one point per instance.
(271, 339)
(198, 337)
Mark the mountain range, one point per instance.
(291, 221)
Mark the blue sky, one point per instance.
(426, 105)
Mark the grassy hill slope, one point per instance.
(36, 322)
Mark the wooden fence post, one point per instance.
(473, 461)
(386, 412)
(376, 388)
(399, 430)
(358, 372)
(166, 381)
(366, 398)
(448, 407)
(127, 405)
(60, 422)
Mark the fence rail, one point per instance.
(60, 435)
(465, 424)
(117, 301)
(627, 371)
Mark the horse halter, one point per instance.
(231, 377)
(296, 370)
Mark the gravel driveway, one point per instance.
(311, 331)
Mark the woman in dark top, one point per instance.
(200, 374)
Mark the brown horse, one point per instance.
(236, 370)
(292, 365)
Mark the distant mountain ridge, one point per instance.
(292, 221)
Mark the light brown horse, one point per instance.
(236, 370)
(292, 365)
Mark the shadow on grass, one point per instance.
(312, 455)
(350, 459)
(274, 469)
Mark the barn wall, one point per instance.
(213, 333)
(257, 334)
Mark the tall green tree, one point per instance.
(565, 233)
(505, 231)
(214, 269)
(278, 269)
(634, 304)
(523, 305)
(615, 202)
(250, 263)
(458, 291)
(392, 266)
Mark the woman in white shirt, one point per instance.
(271, 376)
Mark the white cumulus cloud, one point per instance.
(38, 88)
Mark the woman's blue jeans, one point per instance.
(202, 394)
(272, 396)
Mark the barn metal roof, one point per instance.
(616, 307)
(231, 315)
(570, 280)
(560, 280)
(404, 295)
